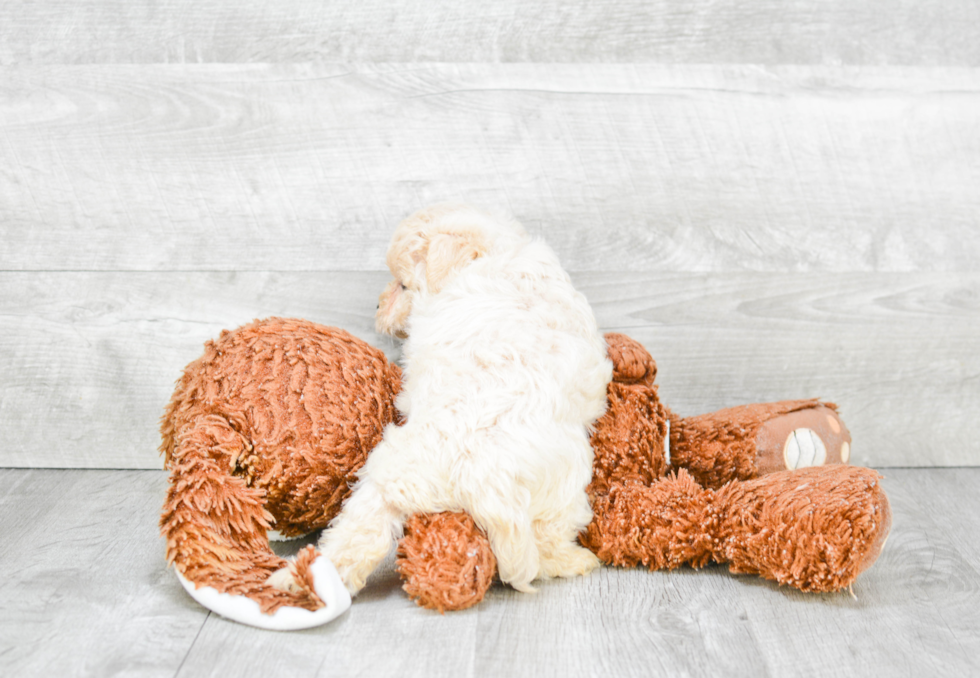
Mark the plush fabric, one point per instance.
(269, 428)
(446, 561)
(266, 431)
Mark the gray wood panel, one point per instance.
(620, 167)
(897, 352)
(927, 559)
(89, 359)
(917, 32)
(94, 599)
(85, 590)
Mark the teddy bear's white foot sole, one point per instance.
(326, 582)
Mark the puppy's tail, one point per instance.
(216, 531)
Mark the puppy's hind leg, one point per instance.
(391, 488)
(561, 554)
(362, 535)
(563, 557)
(508, 527)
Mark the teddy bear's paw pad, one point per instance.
(329, 588)
(804, 448)
(811, 437)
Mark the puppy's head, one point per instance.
(429, 249)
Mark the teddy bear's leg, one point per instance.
(661, 525)
(445, 561)
(215, 524)
(745, 442)
(815, 529)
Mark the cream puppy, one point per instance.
(504, 372)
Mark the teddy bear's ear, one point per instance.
(449, 252)
(632, 364)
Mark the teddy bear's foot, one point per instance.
(310, 573)
(446, 561)
(815, 529)
(740, 443)
(814, 436)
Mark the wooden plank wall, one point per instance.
(778, 199)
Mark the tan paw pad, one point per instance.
(283, 580)
(809, 437)
(804, 448)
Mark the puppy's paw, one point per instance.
(354, 577)
(284, 580)
(518, 568)
(570, 561)
(522, 586)
(353, 572)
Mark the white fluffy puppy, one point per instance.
(504, 372)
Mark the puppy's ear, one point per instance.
(449, 252)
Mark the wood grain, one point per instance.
(620, 167)
(950, 496)
(923, 32)
(86, 593)
(895, 351)
(90, 358)
(922, 594)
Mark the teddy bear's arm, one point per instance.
(446, 561)
(735, 443)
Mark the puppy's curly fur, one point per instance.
(504, 373)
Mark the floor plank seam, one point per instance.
(193, 643)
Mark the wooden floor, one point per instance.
(86, 593)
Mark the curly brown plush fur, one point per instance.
(267, 429)
(270, 426)
(446, 561)
(815, 529)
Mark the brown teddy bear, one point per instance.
(269, 427)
